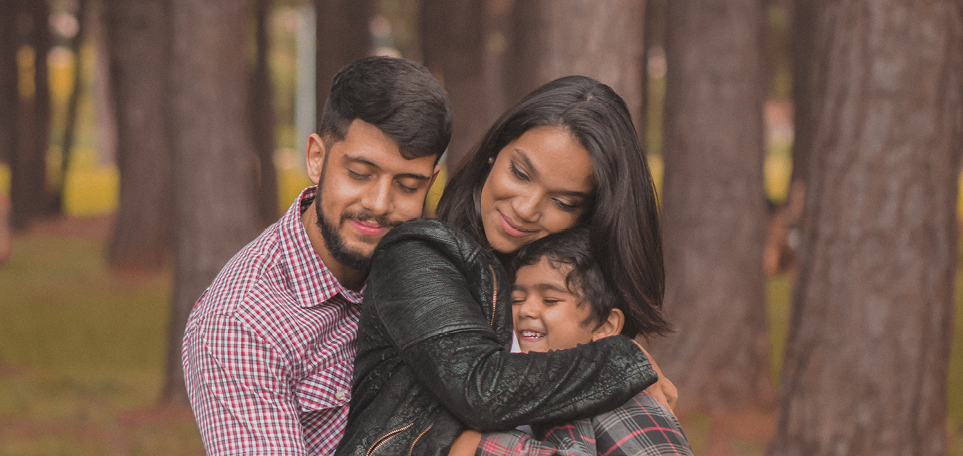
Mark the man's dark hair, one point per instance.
(584, 280)
(398, 96)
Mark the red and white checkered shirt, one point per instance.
(269, 348)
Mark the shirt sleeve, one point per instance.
(641, 427)
(573, 439)
(237, 389)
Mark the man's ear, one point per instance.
(314, 157)
(611, 326)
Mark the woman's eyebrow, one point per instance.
(534, 172)
(528, 161)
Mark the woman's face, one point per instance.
(541, 183)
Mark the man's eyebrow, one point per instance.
(355, 158)
(532, 169)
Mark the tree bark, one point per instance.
(139, 36)
(9, 96)
(343, 37)
(803, 59)
(262, 119)
(602, 40)
(453, 45)
(214, 210)
(29, 195)
(869, 341)
(714, 205)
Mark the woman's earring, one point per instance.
(491, 160)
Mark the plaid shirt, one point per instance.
(641, 427)
(269, 348)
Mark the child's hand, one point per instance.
(663, 390)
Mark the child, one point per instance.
(560, 300)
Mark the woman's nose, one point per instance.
(526, 206)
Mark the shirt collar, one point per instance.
(312, 281)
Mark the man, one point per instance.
(269, 347)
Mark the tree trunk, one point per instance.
(262, 119)
(9, 96)
(73, 103)
(804, 88)
(602, 40)
(214, 212)
(343, 37)
(714, 205)
(28, 168)
(453, 45)
(869, 340)
(139, 38)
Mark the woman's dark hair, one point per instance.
(623, 222)
(398, 96)
(585, 279)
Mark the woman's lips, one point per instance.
(510, 228)
(368, 230)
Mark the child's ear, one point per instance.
(611, 326)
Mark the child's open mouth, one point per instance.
(532, 335)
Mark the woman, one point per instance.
(436, 321)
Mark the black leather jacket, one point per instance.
(433, 352)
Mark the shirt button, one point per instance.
(341, 395)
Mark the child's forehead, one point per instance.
(545, 274)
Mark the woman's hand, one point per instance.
(663, 390)
(465, 444)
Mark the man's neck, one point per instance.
(349, 278)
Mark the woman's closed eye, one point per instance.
(566, 206)
(518, 173)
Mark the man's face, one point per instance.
(365, 187)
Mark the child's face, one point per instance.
(547, 314)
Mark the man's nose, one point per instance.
(377, 198)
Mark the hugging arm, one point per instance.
(436, 323)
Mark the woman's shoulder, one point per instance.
(432, 233)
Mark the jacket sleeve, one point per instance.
(440, 331)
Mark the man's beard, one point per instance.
(334, 242)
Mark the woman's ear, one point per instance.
(611, 326)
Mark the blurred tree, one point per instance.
(804, 87)
(9, 96)
(714, 204)
(73, 103)
(869, 340)
(343, 37)
(29, 194)
(214, 207)
(138, 45)
(603, 40)
(262, 118)
(453, 46)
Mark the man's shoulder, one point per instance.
(250, 277)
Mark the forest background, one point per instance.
(807, 154)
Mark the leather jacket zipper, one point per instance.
(385, 438)
(412, 450)
(494, 295)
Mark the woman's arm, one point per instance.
(436, 323)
